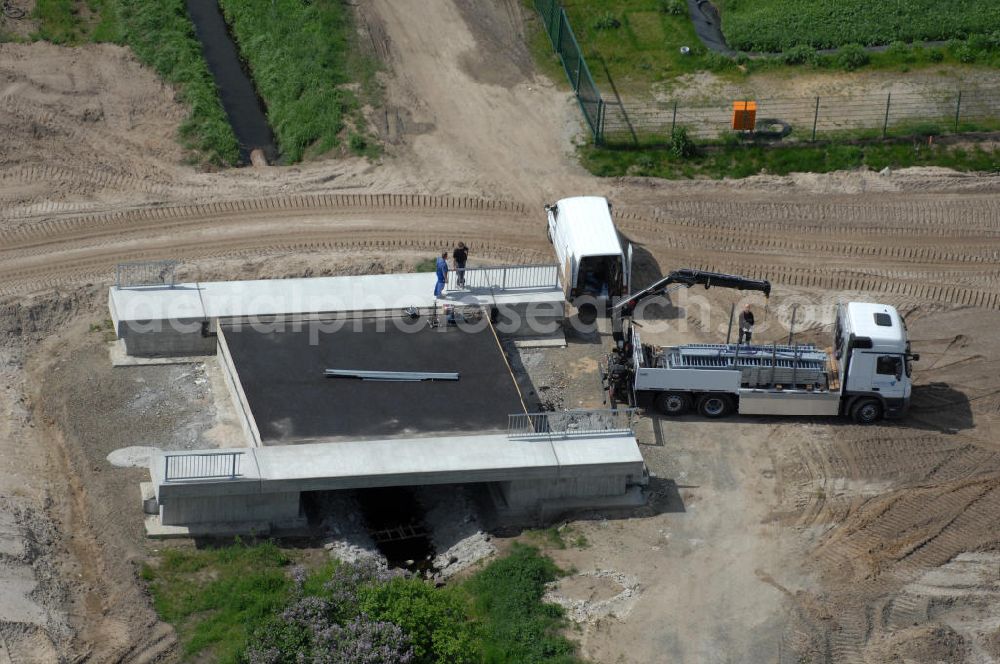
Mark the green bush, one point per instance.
(162, 36)
(674, 7)
(935, 55)
(901, 51)
(681, 145)
(803, 54)
(607, 21)
(966, 54)
(434, 619)
(718, 62)
(852, 56)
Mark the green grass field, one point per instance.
(738, 161)
(776, 25)
(636, 43)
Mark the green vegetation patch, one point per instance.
(775, 25)
(635, 42)
(212, 596)
(73, 22)
(162, 36)
(729, 160)
(248, 604)
(514, 624)
(300, 57)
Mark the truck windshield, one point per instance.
(889, 365)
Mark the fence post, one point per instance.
(561, 16)
(673, 122)
(958, 109)
(579, 71)
(599, 125)
(503, 285)
(234, 465)
(815, 119)
(885, 125)
(166, 467)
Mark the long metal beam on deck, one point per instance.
(409, 376)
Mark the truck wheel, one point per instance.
(715, 405)
(673, 404)
(867, 411)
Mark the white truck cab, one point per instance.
(589, 249)
(873, 354)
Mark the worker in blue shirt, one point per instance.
(442, 273)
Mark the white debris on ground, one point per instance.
(346, 537)
(136, 456)
(590, 596)
(456, 532)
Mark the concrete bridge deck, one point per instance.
(527, 472)
(180, 319)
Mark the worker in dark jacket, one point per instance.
(746, 325)
(461, 255)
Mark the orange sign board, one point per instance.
(744, 115)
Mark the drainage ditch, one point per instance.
(242, 104)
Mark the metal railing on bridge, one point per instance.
(146, 273)
(571, 423)
(504, 277)
(202, 466)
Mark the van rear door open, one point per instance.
(588, 248)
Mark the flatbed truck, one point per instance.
(866, 375)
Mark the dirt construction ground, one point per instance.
(765, 540)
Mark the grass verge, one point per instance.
(305, 69)
(212, 596)
(515, 625)
(162, 36)
(246, 603)
(739, 161)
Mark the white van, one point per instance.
(589, 249)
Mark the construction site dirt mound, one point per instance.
(929, 644)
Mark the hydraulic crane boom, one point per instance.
(688, 277)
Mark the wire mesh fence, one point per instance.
(566, 46)
(614, 122)
(930, 112)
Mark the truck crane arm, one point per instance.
(688, 277)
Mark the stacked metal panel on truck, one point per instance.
(759, 365)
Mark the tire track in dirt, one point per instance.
(206, 214)
(484, 220)
(891, 215)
